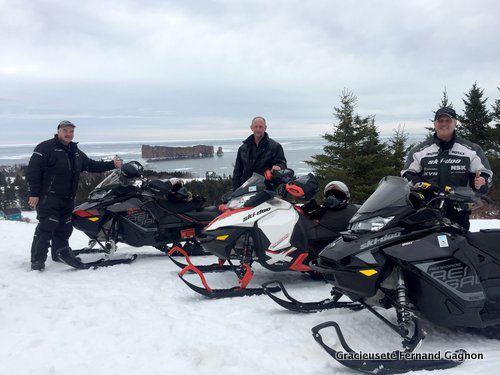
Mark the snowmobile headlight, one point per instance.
(99, 194)
(373, 224)
(239, 202)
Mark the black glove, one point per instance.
(281, 190)
(310, 206)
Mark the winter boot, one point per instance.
(38, 265)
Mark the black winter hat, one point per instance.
(64, 123)
(445, 111)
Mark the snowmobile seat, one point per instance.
(180, 206)
(207, 214)
(487, 240)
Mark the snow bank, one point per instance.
(141, 319)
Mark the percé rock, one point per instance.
(171, 153)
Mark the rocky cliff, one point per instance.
(171, 153)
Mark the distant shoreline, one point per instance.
(93, 143)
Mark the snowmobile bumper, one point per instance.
(395, 362)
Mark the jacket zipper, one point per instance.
(51, 183)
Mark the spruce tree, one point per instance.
(354, 153)
(495, 130)
(474, 123)
(399, 148)
(494, 155)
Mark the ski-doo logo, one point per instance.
(379, 240)
(431, 162)
(451, 161)
(257, 213)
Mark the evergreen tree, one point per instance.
(494, 155)
(3, 184)
(9, 196)
(399, 148)
(476, 118)
(444, 103)
(22, 191)
(354, 153)
(495, 130)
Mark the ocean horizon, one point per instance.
(297, 151)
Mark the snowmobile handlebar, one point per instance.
(460, 196)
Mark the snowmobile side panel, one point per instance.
(220, 242)
(447, 292)
(433, 246)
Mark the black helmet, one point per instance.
(132, 169)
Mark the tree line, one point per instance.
(14, 190)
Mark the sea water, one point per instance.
(297, 152)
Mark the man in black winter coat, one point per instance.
(257, 154)
(53, 174)
(449, 160)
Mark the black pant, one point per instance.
(54, 216)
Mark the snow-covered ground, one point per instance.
(141, 319)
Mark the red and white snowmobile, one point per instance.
(259, 225)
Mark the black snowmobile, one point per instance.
(126, 207)
(401, 252)
(261, 226)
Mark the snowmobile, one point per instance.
(259, 225)
(126, 207)
(402, 252)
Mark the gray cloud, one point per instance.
(190, 68)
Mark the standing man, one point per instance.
(53, 174)
(257, 154)
(449, 160)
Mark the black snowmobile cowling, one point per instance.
(402, 252)
(126, 207)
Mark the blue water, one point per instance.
(297, 150)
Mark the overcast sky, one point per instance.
(146, 70)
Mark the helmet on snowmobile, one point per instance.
(338, 189)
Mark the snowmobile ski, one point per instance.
(244, 274)
(216, 267)
(306, 307)
(67, 256)
(396, 364)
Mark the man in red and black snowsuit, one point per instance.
(52, 175)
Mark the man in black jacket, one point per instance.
(53, 174)
(449, 160)
(257, 154)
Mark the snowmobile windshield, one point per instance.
(391, 192)
(112, 179)
(254, 184)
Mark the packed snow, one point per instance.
(141, 319)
